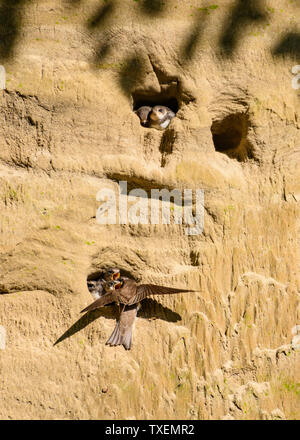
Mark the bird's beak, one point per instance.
(153, 115)
(115, 276)
(119, 285)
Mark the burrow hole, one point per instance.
(171, 94)
(97, 275)
(230, 136)
(152, 99)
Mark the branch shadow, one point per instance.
(73, 2)
(153, 7)
(150, 309)
(242, 14)
(131, 74)
(289, 45)
(191, 43)
(101, 16)
(10, 26)
(102, 52)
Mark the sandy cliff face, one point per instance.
(75, 71)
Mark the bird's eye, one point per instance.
(160, 110)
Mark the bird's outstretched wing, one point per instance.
(144, 290)
(100, 302)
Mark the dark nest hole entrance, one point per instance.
(140, 100)
(94, 281)
(99, 274)
(170, 95)
(230, 136)
(95, 276)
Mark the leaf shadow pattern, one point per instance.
(288, 45)
(150, 309)
(73, 2)
(102, 52)
(131, 68)
(242, 14)
(153, 7)
(131, 74)
(192, 41)
(10, 25)
(102, 15)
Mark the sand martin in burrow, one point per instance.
(143, 114)
(160, 117)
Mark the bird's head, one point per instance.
(112, 273)
(158, 112)
(110, 286)
(119, 284)
(92, 285)
(143, 113)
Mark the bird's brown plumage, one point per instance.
(122, 334)
(107, 298)
(143, 113)
(132, 293)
